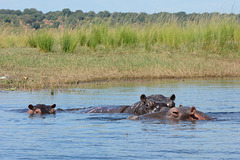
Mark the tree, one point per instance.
(102, 14)
(91, 14)
(36, 26)
(31, 11)
(141, 17)
(56, 24)
(79, 15)
(7, 20)
(16, 22)
(106, 14)
(29, 19)
(66, 12)
(18, 12)
(53, 15)
(39, 17)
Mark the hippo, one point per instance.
(175, 114)
(41, 109)
(149, 104)
(158, 98)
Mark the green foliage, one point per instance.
(45, 41)
(66, 12)
(29, 19)
(128, 37)
(82, 37)
(216, 33)
(98, 35)
(56, 24)
(30, 11)
(7, 20)
(68, 42)
(36, 26)
(32, 41)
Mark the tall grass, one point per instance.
(12, 37)
(45, 41)
(215, 34)
(32, 41)
(68, 42)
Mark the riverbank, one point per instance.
(29, 68)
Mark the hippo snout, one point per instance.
(174, 112)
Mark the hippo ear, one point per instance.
(193, 110)
(30, 107)
(143, 98)
(53, 106)
(180, 106)
(173, 97)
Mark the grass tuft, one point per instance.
(68, 42)
(45, 41)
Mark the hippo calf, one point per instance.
(175, 114)
(41, 109)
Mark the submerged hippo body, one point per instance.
(150, 104)
(41, 109)
(175, 114)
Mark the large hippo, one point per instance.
(175, 114)
(41, 109)
(149, 104)
(158, 98)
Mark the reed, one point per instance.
(215, 34)
(68, 42)
(12, 37)
(32, 40)
(45, 41)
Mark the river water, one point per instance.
(111, 136)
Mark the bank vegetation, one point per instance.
(51, 57)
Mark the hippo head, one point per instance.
(170, 101)
(185, 113)
(175, 114)
(41, 109)
(147, 106)
(158, 98)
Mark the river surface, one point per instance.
(70, 135)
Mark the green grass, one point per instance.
(57, 69)
(45, 41)
(68, 42)
(201, 48)
(216, 34)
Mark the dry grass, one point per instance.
(28, 68)
(201, 48)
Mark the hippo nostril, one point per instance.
(175, 112)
